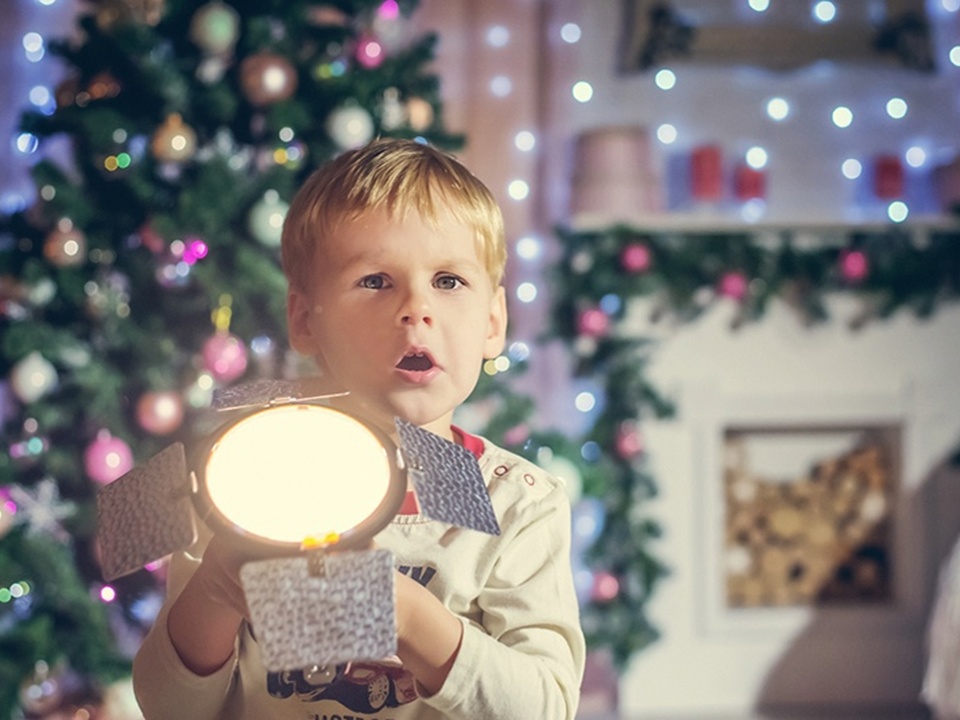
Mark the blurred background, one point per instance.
(735, 260)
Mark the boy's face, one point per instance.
(402, 314)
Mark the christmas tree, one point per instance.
(146, 275)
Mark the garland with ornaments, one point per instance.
(680, 275)
(145, 275)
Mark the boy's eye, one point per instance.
(448, 282)
(373, 282)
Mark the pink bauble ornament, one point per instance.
(107, 458)
(370, 52)
(733, 285)
(605, 587)
(593, 323)
(635, 258)
(854, 265)
(628, 441)
(160, 413)
(225, 356)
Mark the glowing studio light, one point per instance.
(665, 79)
(898, 211)
(525, 141)
(842, 116)
(526, 292)
(108, 594)
(915, 156)
(570, 33)
(308, 450)
(757, 157)
(851, 168)
(667, 134)
(529, 248)
(518, 189)
(501, 86)
(824, 11)
(759, 5)
(582, 91)
(585, 401)
(954, 55)
(896, 108)
(26, 143)
(498, 36)
(778, 109)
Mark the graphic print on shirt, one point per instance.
(365, 687)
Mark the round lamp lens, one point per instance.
(298, 474)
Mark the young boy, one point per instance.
(394, 255)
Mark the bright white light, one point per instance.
(525, 140)
(898, 211)
(759, 5)
(753, 210)
(778, 108)
(842, 116)
(46, 2)
(27, 143)
(582, 91)
(528, 248)
(286, 134)
(119, 136)
(950, 5)
(570, 33)
(955, 55)
(757, 157)
(518, 189)
(501, 86)
(526, 292)
(896, 108)
(585, 402)
(851, 168)
(665, 79)
(296, 440)
(32, 42)
(915, 156)
(40, 95)
(498, 36)
(667, 134)
(824, 11)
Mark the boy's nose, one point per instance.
(415, 310)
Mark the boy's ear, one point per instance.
(497, 324)
(299, 310)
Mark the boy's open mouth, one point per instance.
(415, 362)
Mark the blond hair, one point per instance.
(396, 176)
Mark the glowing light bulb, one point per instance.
(759, 5)
(582, 91)
(898, 211)
(778, 109)
(851, 168)
(528, 248)
(501, 86)
(585, 402)
(842, 116)
(824, 11)
(954, 55)
(518, 189)
(665, 79)
(757, 157)
(526, 292)
(915, 156)
(667, 134)
(498, 36)
(570, 33)
(896, 108)
(525, 140)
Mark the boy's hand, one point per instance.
(205, 618)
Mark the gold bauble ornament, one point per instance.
(267, 78)
(419, 114)
(174, 141)
(65, 246)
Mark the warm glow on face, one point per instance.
(295, 473)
